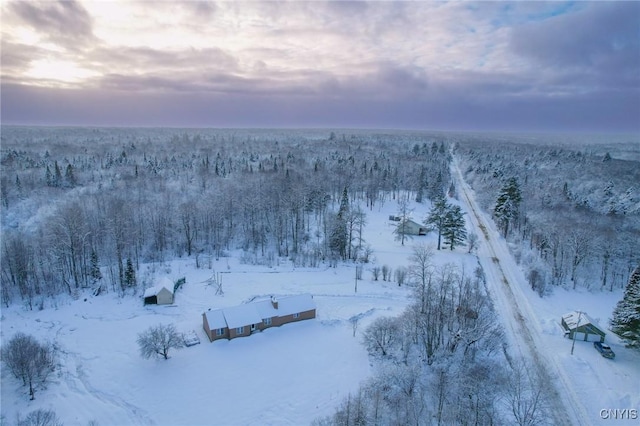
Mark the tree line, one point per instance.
(84, 208)
(570, 209)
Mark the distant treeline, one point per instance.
(83, 208)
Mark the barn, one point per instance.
(580, 326)
(161, 294)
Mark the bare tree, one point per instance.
(29, 360)
(158, 340)
(421, 270)
(525, 396)
(472, 241)
(375, 271)
(382, 335)
(401, 275)
(40, 417)
(403, 213)
(580, 245)
(386, 272)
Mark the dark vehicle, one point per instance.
(605, 350)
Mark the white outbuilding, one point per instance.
(161, 294)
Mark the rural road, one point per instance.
(505, 282)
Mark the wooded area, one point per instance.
(83, 208)
(577, 222)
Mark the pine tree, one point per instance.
(454, 231)
(48, 176)
(338, 235)
(57, 177)
(626, 315)
(129, 274)
(94, 271)
(437, 216)
(507, 209)
(69, 177)
(19, 186)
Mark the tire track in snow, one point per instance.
(566, 406)
(135, 414)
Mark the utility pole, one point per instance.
(574, 333)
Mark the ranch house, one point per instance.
(243, 320)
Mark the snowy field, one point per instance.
(286, 375)
(289, 375)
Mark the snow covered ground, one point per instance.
(589, 389)
(292, 374)
(285, 375)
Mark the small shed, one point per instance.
(162, 294)
(580, 326)
(410, 227)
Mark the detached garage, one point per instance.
(162, 294)
(580, 326)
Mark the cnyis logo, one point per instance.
(619, 414)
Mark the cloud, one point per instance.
(603, 37)
(415, 64)
(63, 22)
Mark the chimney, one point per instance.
(274, 302)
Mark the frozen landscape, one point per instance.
(326, 213)
(302, 372)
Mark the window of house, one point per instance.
(240, 330)
(296, 315)
(267, 321)
(220, 332)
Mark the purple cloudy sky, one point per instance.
(525, 66)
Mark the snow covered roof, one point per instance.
(295, 304)
(255, 312)
(215, 319)
(265, 309)
(242, 315)
(576, 319)
(163, 282)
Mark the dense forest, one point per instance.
(578, 221)
(84, 208)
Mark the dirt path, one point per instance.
(521, 325)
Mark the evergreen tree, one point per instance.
(129, 275)
(436, 187)
(94, 271)
(69, 177)
(19, 186)
(338, 238)
(421, 185)
(437, 216)
(57, 177)
(507, 209)
(454, 231)
(626, 315)
(48, 176)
